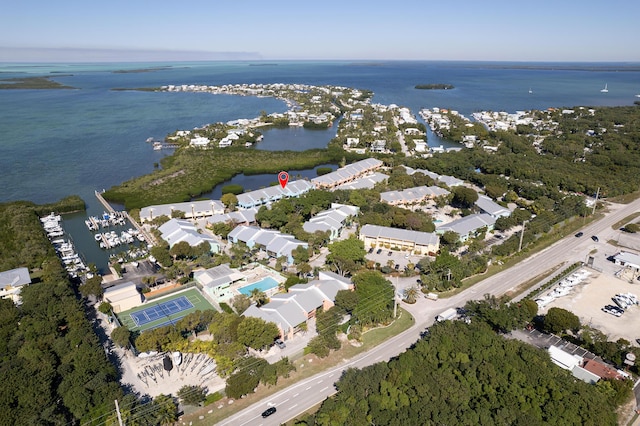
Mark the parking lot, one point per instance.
(401, 258)
(587, 300)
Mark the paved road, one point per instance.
(298, 398)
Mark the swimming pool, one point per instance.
(263, 285)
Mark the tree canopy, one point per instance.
(462, 374)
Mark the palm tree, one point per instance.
(411, 294)
(258, 296)
(166, 410)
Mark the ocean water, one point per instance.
(59, 142)
(54, 143)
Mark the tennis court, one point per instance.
(160, 310)
(164, 311)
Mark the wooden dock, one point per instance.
(104, 202)
(148, 237)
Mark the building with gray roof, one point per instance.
(11, 283)
(191, 210)
(364, 182)
(346, 174)
(331, 220)
(259, 197)
(414, 195)
(490, 207)
(240, 217)
(289, 310)
(274, 243)
(217, 281)
(468, 226)
(179, 230)
(450, 181)
(415, 241)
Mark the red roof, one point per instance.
(602, 370)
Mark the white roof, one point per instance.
(218, 275)
(489, 206)
(121, 292)
(564, 359)
(417, 237)
(467, 224)
(200, 208)
(14, 278)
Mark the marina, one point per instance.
(72, 261)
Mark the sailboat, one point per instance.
(605, 90)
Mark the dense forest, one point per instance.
(52, 365)
(461, 374)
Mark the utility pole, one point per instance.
(595, 203)
(119, 416)
(521, 235)
(395, 299)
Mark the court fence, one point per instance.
(172, 291)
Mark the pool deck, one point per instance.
(256, 273)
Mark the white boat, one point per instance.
(177, 358)
(98, 237)
(530, 91)
(638, 95)
(605, 90)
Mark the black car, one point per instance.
(371, 250)
(579, 234)
(390, 253)
(269, 411)
(594, 238)
(379, 251)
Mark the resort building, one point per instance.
(274, 243)
(347, 174)
(332, 220)
(11, 283)
(268, 195)
(364, 182)
(425, 243)
(217, 282)
(290, 310)
(240, 217)
(122, 297)
(450, 181)
(415, 195)
(468, 226)
(191, 210)
(178, 230)
(222, 283)
(490, 207)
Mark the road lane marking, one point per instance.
(296, 395)
(324, 388)
(308, 388)
(319, 381)
(292, 407)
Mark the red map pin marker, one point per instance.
(283, 178)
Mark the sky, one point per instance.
(489, 30)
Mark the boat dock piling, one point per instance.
(148, 237)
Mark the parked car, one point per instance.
(390, 253)
(579, 234)
(397, 266)
(371, 250)
(269, 411)
(379, 251)
(594, 238)
(280, 344)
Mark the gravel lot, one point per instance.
(586, 301)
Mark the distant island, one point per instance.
(434, 86)
(139, 70)
(32, 83)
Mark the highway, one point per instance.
(296, 399)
